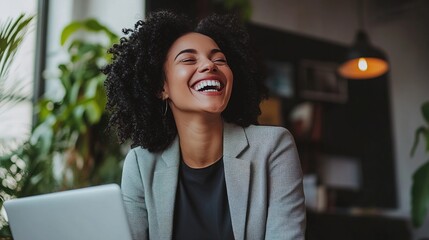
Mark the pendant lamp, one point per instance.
(363, 60)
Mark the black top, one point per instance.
(201, 208)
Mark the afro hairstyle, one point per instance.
(135, 78)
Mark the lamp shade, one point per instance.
(363, 60)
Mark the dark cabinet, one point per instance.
(330, 226)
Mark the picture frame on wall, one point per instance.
(280, 78)
(319, 81)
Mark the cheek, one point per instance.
(176, 82)
(229, 76)
(182, 73)
(179, 76)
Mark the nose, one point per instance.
(208, 66)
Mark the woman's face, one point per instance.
(197, 76)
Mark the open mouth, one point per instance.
(208, 86)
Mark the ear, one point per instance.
(164, 96)
(164, 93)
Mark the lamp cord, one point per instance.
(361, 10)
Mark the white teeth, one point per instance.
(208, 83)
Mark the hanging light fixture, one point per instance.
(363, 60)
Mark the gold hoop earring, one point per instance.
(166, 107)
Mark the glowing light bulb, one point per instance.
(362, 64)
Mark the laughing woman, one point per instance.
(200, 168)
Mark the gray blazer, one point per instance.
(263, 180)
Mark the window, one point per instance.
(16, 116)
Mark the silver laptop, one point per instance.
(86, 214)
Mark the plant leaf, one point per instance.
(69, 30)
(423, 131)
(425, 111)
(95, 26)
(420, 194)
(11, 36)
(91, 25)
(93, 112)
(427, 140)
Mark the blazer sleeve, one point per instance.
(286, 205)
(134, 197)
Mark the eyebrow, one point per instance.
(190, 50)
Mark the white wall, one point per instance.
(115, 14)
(404, 36)
(334, 20)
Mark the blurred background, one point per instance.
(362, 134)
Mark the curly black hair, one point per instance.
(135, 78)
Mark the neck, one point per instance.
(201, 140)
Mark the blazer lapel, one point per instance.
(165, 185)
(237, 177)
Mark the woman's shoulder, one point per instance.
(261, 134)
(266, 131)
(141, 155)
(139, 151)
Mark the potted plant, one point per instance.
(420, 186)
(12, 33)
(69, 146)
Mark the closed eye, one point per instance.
(188, 60)
(220, 61)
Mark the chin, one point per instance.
(215, 110)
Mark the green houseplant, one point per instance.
(69, 146)
(72, 127)
(12, 33)
(420, 187)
